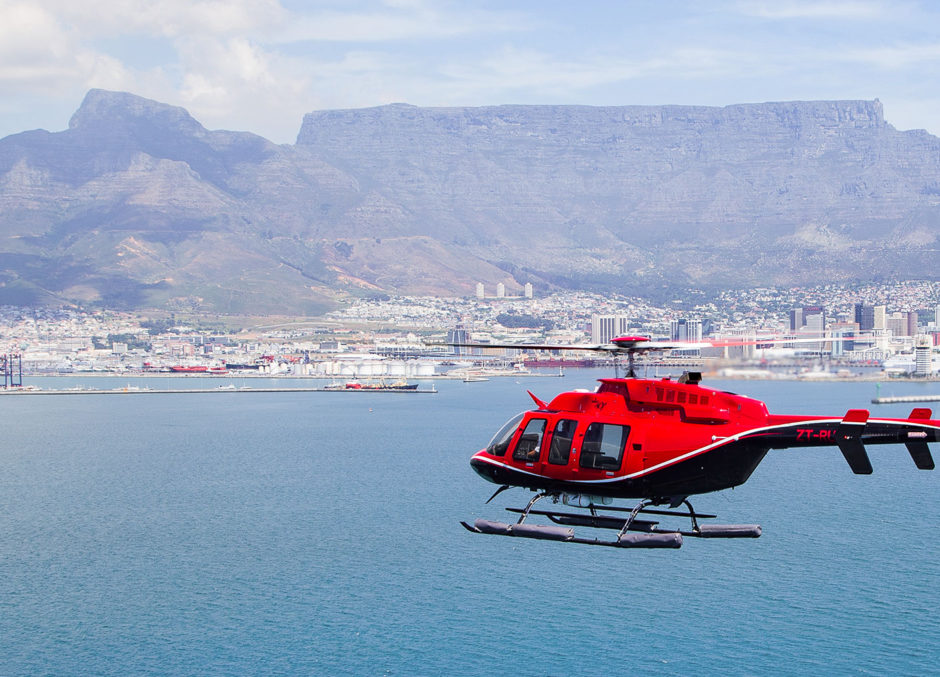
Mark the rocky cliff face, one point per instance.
(743, 194)
(137, 204)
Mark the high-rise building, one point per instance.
(480, 290)
(816, 327)
(796, 319)
(902, 323)
(843, 337)
(922, 356)
(799, 317)
(500, 290)
(528, 290)
(607, 327)
(810, 312)
(865, 316)
(880, 318)
(459, 335)
(685, 329)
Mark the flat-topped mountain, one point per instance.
(136, 204)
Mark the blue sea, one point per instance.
(317, 534)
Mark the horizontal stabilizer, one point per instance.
(856, 416)
(921, 413)
(849, 439)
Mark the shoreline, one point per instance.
(707, 376)
(220, 389)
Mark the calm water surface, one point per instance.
(318, 533)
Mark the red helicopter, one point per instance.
(659, 441)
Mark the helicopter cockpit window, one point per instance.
(562, 438)
(602, 448)
(500, 442)
(530, 442)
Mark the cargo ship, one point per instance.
(197, 369)
(401, 385)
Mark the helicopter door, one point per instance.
(603, 446)
(560, 448)
(530, 442)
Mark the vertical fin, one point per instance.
(920, 452)
(849, 439)
(918, 448)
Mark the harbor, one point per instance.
(135, 390)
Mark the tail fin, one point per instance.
(916, 443)
(849, 439)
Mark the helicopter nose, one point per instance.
(482, 468)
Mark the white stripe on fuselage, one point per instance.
(701, 450)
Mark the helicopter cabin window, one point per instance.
(562, 438)
(500, 442)
(530, 442)
(602, 448)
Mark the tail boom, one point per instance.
(854, 431)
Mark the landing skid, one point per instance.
(631, 532)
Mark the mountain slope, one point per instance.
(136, 204)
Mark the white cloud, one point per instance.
(237, 84)
(259, 66)
(167, 18)
(35, 51)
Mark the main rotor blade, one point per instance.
(607, 348)
(637, 344)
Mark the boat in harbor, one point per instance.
(398, 385)
(197, 369)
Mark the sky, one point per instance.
(260, 65)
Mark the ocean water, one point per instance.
(317, 533)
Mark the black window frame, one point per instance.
(522, 450)
(557, 456)
(595, 459)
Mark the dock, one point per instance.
(905, 398)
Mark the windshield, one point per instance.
(500, 441)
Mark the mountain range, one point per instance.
(137, 205)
